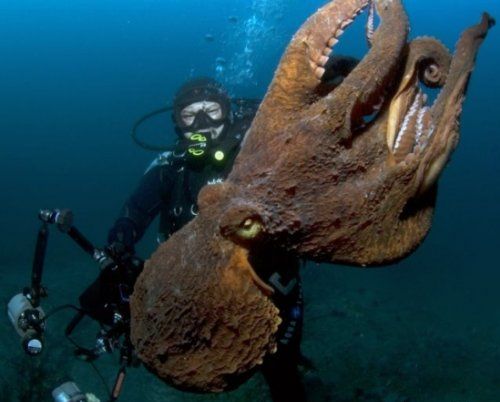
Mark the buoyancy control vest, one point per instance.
(180, 199)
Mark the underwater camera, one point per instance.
(106, 301)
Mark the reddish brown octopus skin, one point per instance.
(311, 178)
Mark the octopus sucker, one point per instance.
(399, 103)
(424, 128)
(346, 23)
(370, 24)
(323, 60)
(405, 138)
(337, 28)
(415, 129)
(332, 42)
(423, 140)
(319, 72)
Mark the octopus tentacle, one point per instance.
(428, 61)
(448, 105)
(302, 65)
(363, 88)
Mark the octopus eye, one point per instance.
(249, 229)
(243, 224)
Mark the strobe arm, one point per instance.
(63, 219)
(24, 310)
(37, 291)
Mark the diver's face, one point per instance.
(202, 117)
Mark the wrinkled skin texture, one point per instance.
(312, 178)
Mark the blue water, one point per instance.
(74, 76)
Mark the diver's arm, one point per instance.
(141, 207)
(337, 68)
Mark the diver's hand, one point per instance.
(337, 68)
(122, 237)
(117, 250)
(125, 266)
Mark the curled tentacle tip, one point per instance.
(489, 19)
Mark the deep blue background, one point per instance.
(74, 75)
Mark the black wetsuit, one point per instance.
(281, 271)
(170, 187)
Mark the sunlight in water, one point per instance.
(249, 36)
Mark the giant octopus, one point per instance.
(342, 173)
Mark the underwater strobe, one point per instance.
(24, 309)
(28, 321)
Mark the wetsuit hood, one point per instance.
(201, 89)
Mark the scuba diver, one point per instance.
(209, 137)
